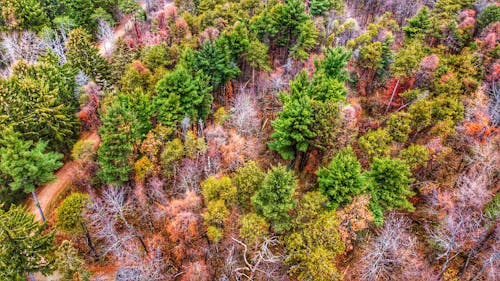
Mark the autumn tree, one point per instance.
(341, 180)
(275, 198)
(26, 247)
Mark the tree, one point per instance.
(69, 263)
(38, 102)
(25, 246)
(306, 40)
(489, 15)
(215, 61)
(84, 55)
(257, 58)
(218, 188)
(415, 156)
(376, 143)
(292, 134)
(253, 229)
(341, 180)
(182, 93)
(247, 179)
(22, 15)
(419, 25)
(319, 7)
(70, 218)
(315, 243)
(399, 126)
(275, 198)
(27, 165)
(389, 187)
(334, 64)
(117, 145)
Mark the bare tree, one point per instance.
(245, 114)
(21, 46)
(393, 254)
(106, 37)
(263, 262)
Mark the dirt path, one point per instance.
(64, 176)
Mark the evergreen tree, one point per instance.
(182, 93)
(70, 264)
(334, 64)
(84, 55)
(419, 25)
(27, 165)
(292, 134)
(215, 61)
(389, 187)
(25, 247)
(22, 15)
(341, 180)
(489, 15)
(275, 198)
(247, 180)
(118, 136)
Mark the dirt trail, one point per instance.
(64, 176)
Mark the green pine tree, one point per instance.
(25, 246)
(275, 198)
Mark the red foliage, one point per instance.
(140, 67)
(89, 115)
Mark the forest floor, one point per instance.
(64, 177)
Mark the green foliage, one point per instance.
(323, 88)
(38, 102)
(328, 125)
(370, 56)
(399, 126)
(492, 209)
(22, 15)
(448, 108)
(420, 114)
(389, 187)
(489, 15)
(235, 43)
(247, 179)
(84, 55)
(182, 93)
(315, 243)
(173, 152)
(83, 150)
(419, 25)
(307, 39)
(311, 206)
(257, 55)
(319, 7)
(376, 143)
(69, 214)
(215, 61)
(415, 156)
(193, 145)
(155, 56)
(341, 180)
(218, 188)
(69, 263)
(25, 246)
(118, 136)
(275, 197)
(334, 64)
(253, 229)
(292, 133)
(26, 165)
(214, 217)
(408, 59)
(128, 6)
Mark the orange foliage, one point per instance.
(140, 67)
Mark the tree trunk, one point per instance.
(37, 204)
(392, 96)
(89, 241)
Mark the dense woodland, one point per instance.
(250, 140)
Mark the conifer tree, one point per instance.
(27, 165)
(341, 180)
(25, 246)
(292, 134)
(389, 186)
(118, 136)
(215, 61)
(84, 55)
(275, 198)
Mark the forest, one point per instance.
(287, 140)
